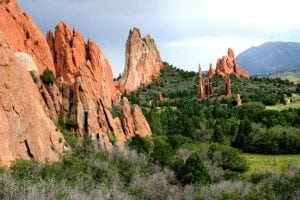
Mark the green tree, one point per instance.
(218, 135)
(141, 145)
(244, 131)
(194, 171)
(48, 77)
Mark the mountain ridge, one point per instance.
(271, 57)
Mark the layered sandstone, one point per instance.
(23, 35)
(73, 57)
(228, 65)
(26, 132)
(142, 62)
(83, 91)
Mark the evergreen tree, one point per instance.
(194, 171)
(244, 131)
(218, 135)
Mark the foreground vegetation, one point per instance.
(200, 149)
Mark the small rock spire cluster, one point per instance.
(204, 86)
(227, 65)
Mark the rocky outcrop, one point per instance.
(133, 120)
(142, 62)
(204, 87)
(159, 97)
(73, 57)
(228, 65)
(227, 86)
(211, 72)
(238, 100)
(26, 132)
(83, 92)
(23, 35)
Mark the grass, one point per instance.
(274, 163)
(282, 107)
(295, 103)
(292, 77)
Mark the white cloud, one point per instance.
(217, 42)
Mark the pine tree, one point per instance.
(194, 171)
(218, 135)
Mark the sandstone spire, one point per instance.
(142, 62)
(211, 71)
(73, 56)
(204, 86)
(238, 100)
(227, 86)
(201, 89)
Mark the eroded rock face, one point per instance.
(142, 62)
(23, 35)
(83, 91)
(228, 65)
(25, 130)
(27, 62)
(134, 121)
(74, 57)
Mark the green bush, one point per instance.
(194, 171)
(218, 135)
(116, 111)
(162, 151)
(141, 145)
(227, 157)
(48, 77)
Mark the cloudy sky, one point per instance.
(187, 32)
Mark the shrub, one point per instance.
(218, 135)
(141, 145)
(162, 151)
(227, 157)
(48, 77)
(194, 171)
(116, 111)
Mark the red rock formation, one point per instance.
(228, 65)
(25, 130)
(227, 86)
(204, 86)
(84, 90)
(73, 56)
(211, 72)
(133, 121)
(200, 92)
(23, 35)
(159, 97)
(142, 62)
(142, 127)
(238, 100)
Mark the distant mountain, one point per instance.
(271, 57)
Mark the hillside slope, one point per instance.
(271, 57)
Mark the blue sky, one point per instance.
(187, 32)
